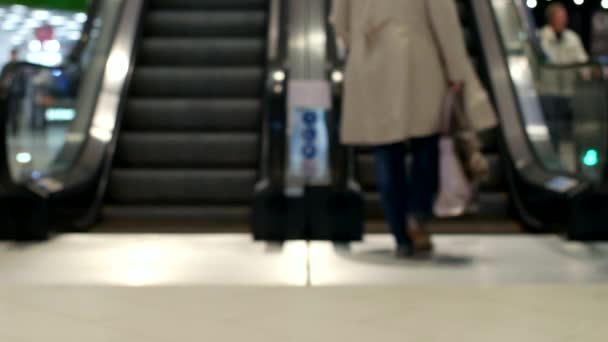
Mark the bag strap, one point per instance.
(453, 116)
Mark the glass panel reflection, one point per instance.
(52, 79)
(564, 107)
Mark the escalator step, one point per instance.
(184, 24)
(197, 82)
(208, 4)
(226, 115)
(201, 52)
(189, 150)
(207, 214)
(181, 187)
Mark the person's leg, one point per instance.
(391, 178)
(425, 176)
(425, 183)
(551, 110)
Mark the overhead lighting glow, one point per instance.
(13, 18)
(41, 14)
(579, 2)
(74, 35)
(9, 27)
(52, 46)
(72, 25)
(32, 23)
(16, 40)
(24, 158)
(532, 3)
(20, 9)
(57, 20)
(35, 46)
(80, 17)
(24, 31)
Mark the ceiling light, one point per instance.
(41, 14)
(35, 46)
(74, 35)
(13, 17)
(72, 25)
(20, 9)
(8, 26)
(16, 40)
(80, 17)
(52, 46)
(32, 23)
(57, 20)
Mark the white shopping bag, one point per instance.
(455, 191)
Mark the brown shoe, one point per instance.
(421, 238)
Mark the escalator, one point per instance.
(188, 146)
(169, 103)
(180, 117)
(493, 201)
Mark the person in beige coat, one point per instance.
(403, 58)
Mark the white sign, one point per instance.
(308, 159)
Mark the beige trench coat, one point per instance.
(395, 78)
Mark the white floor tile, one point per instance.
(136, 260)
(472, 260)
(540, 313)
(165, 260)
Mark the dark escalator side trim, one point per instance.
(270, 214)
(132, 15)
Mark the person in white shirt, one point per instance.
(561, 46)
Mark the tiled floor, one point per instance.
(167, 260)
(225, 288)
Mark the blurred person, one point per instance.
(403, 57)
(44, 98)
(14, 56)
(16, 84)
(562, 46)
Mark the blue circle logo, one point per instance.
(310, 118)
(309, 152)
(309, 134)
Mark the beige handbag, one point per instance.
(461, 161)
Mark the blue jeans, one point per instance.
(403, 196)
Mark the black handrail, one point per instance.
(274, 102)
